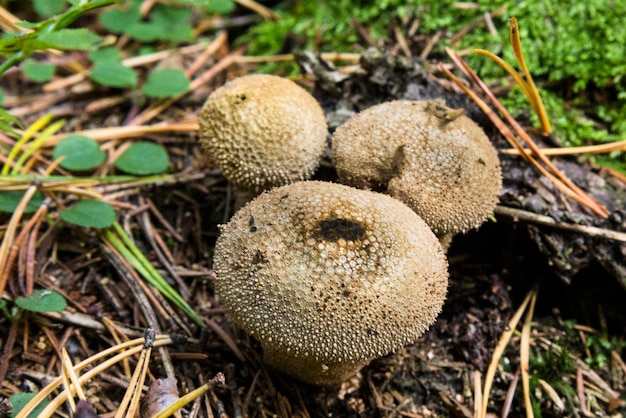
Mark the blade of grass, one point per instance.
(36, 144)
(120, 240)
(263, 11)
(26, 136)
(122, 132)
(582, 196)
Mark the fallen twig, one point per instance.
(593, 231)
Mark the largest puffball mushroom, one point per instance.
(263, 131)
(327, 277)
(434, 158)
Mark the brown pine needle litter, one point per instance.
(125, 350)
(173, 219)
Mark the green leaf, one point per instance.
(143, 158)
(19, 401)
(174, 21)
(168, 16)
(213, 6)
(127, 248)
(113, 74)
(119, 20)
(110, 54)
(26, 25)
(179, 33)
(145, 32)
(26, 45)
(146, 50)
(8, 122)
(4, 308)
(42, 300)
(220, 6)
(48, 8)
(10, 200)
(90, 214)
(36, 71)
(167, 82)
(80, 153)
(67, 39)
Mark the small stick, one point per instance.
(592, 231)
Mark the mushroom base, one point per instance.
(310, 370)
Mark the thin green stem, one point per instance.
(122, 242)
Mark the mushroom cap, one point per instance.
(328, 277)
(433, 158)
(263, 131)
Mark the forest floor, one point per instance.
(569, 341)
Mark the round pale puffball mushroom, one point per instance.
(263, 131)
(433, 158)
(328, 277)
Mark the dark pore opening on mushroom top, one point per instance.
(334, 229)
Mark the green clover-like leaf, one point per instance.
(21, 399)
(221, 6)
(143, 158)
(113, 74)
(38, 72)
(119, 20)
(110, 54)
(90, 214)
(167, 82)
(48, 8)
(79, 152)
(67, 39)
(10, 200)
(42, 300)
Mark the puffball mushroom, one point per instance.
(433, 158)
(263, 131)
(327, 277)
